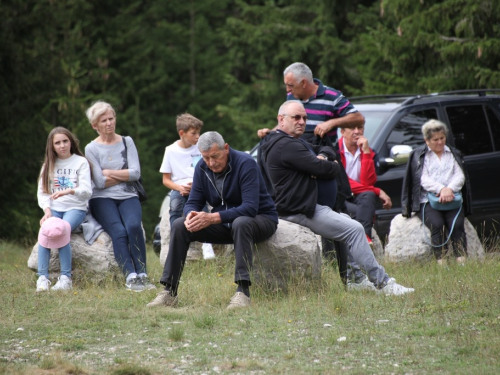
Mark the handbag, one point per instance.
(433, 200)
(139, 187)
(453, 205)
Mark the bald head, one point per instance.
(292, 118)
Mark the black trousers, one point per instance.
(244, 233)
(362, 209)
(439, 223)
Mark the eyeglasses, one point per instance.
(297, 117)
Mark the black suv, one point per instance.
(393, 128)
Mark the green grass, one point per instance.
(450, 325)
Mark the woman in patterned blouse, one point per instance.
(439, 169)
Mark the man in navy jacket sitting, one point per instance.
(243, 213)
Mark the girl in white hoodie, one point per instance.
(64, 189)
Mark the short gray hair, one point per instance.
(284, 107)
(434, 126)
(208, 139)
(300, 71)
(97, 109)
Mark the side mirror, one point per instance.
(399, 156)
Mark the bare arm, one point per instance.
(261, 133)
(348, 121)
(183, 189)
(386, 200)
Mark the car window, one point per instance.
(408, 130)
(470, 129)
(373, 121)
(495, 127)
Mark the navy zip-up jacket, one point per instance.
(244, 192)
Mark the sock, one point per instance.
(244, 287)
(170, 289)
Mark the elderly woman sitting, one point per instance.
(439, 169)
(115, 203)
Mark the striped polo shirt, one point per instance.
(327, 104)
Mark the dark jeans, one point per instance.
(177, 203)
(122, 220)
(244, 233)
(439, 223)
(362, 209)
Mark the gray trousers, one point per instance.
(340, 227)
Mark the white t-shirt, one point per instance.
(180, 162)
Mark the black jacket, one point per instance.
(293, 169)
(410, 196)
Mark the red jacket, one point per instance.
(367, 174)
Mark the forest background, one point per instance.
(219, 60)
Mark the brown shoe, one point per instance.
(239, 300)
(164, 298)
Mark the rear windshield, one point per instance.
(373, 121)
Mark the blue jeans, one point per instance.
(74, 218)
(177, 203)
(122, 220)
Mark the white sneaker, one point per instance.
(63, 283)
(392, 288)
(134, 284)
(365, 284)
(146, 283)
(208, 251)
(43, 284)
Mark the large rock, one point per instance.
(292, 252)
(195, 251)
(377, 246)
(97, 258)
(406, 240)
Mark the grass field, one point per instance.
(450, 325)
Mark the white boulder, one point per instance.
(97, 258)
(406, 240)
(293, 251)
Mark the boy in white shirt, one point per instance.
(178, 168)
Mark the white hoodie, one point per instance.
(71, 173)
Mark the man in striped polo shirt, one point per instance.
(327, 109)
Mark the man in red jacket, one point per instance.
(360, 163)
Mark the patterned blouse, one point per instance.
(439, 173)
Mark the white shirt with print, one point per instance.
(180, 162)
